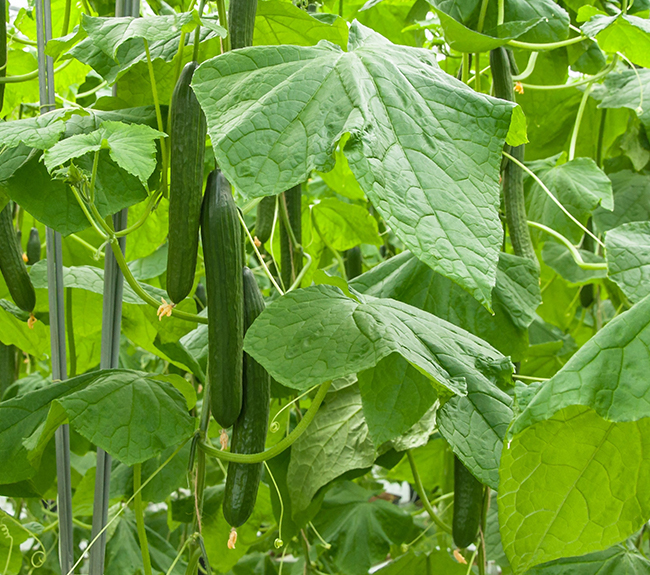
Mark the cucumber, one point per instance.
(512, 178)
(200, 297)
(12, 265)
(468, 505)
(264, 220)
(7, 367)
(241, 23)
(290, 262)
(353, 262)
(3, 48)
(222, 253)
(33, 247)
(187, 148)
(249, 431)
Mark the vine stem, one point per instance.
(420, 490)
(589, 80)
(30, 75)
(197, 34)
(530, 67)
(481, 16)
(579, 116)
(536, 47)
(574, 251)
(278, 447)
(139, 518)
(156, 102)
(223, 20)
(553, 198)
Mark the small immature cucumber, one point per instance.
(468, 505)
(249, 431)
(353, 262)
(33, 247)
(12, 265)
(264, 220)
(188, 131)
(222, 253)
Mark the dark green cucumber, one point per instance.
(512, 178)
(264, 220)
(12, 265)
(187, 148)
(249, 431)
(468, 505)
(200, 297)
(241, 23)
(3, 49)
(290, 262)
(353, 262)
(7, 367)
(222, 253)
(33, 247)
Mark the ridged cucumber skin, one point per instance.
(33, 247)
(12, 265)
(187, 149)
(7, 367)
(241, 22)
(249, 431)
(222, 253)
(293, 198)
(264, 220)
(468, 505)
(353, 262)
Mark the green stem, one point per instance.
(83, 243)
(421, 491)
(72, 348)
(553, 198)
(579, 116)
(137, 288)
(25, 41)
(501, 12)
(88, 215)
(139, 517)
(223, 20)
(481, 16)
(66, 18)
(575, 254)
(156, 102)
(278, 447)
(601, 137)
(589, 80)
(92, 90)
(30, 75)
(530, 67)
(197, 34)
(465, 68)
(153, 200)
(482, 556)
(477, 77)
(93, 177)
(546, 46)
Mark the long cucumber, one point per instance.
(249, 431)
(468, 505)
(12, 265)
(222, 253)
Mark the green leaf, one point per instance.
(395, 396)
(517, 135)
(580, 186)
(628, 258)
(515, 298)
(414, 170)
(344, 225)
(317, 334)
(336, 441)
(40, 132)
(53, 203)
(631, 200)
(360, 531)
(619, 560)
(131, 146)
(278, 22)
(607, 374)
(437, 561)
(628, 89)
(432, 463)
(340, 178)
(559, 258)
(108, 34)
(624, 33)
(572, 484)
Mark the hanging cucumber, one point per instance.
(264, 220)
(290, 261)
(12, 265)
(249, 431)
(187, 148)
(513, 177)
(468, 505)
(222, 253)
(3, 49)
(353, 262)
(241, 23)
(33, 247)
(7, 367)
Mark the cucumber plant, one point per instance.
(400, 328)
